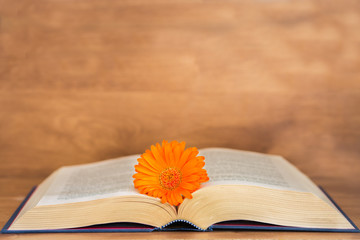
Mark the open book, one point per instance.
(244, 186)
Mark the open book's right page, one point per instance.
(228, 166)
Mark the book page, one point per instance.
(235, 167)
(227, 166)
(92, 181)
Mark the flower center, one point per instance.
(170, 178)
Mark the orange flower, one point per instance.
(170, 172)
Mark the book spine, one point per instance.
(184, 221)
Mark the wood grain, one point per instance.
(83, 81)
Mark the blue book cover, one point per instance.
(177, 225)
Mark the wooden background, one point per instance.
(83, 81)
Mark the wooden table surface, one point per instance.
(82, 81)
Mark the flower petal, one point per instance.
(185, 193)
(142, 169)
(156, 154)
(184, 158)
(157, 165)
(188, 186)
(191, 178)
(178, 197)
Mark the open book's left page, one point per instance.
(91, 194)
(92, 181)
